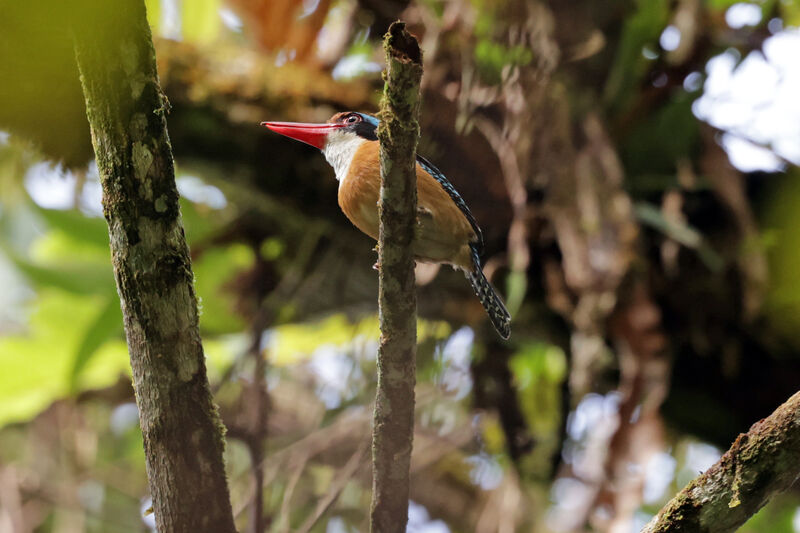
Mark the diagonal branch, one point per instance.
(759, 464)
(393, 428)
(337, 486)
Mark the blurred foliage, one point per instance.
(33, 377)
(640, 32)
(662, 139)
(200, 20)
(782, 230)
(514, 90)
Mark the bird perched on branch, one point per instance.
(446, 230)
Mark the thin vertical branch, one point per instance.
(259, 395)
(393, 429)
(183, 436)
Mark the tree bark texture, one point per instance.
(760, 463)
(183, 436)
(393, 427)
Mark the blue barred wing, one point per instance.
(453, 193)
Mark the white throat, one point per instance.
(339, 151)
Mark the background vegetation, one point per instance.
(633, 165)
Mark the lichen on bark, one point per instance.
(182, 433)
(393, 427)
(760, 463)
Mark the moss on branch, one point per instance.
(760, 463)
(393, 428)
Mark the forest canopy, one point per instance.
(633, 166)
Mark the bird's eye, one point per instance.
(352, 119)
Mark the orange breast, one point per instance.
(443, 232)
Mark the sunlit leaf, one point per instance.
(492, 57)
(76, 225)
(537, 362)
(517, 286)
(78, 279)
(322, 476)
(220, 352)
(14, 160)
(296, 342)
(272, 248)
(213, 270)
(721, 4)
(199, 221)
(494, 438)
(106, 324)
(539, 371)
(767, 6)
(34, 370)
(790, 13)
(153, 14)
(200, 22)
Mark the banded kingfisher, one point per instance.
(446, 233)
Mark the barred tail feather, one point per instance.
(495, 308)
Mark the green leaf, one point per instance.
(683, 233)
(781, 222)
(200, 22)
(492, 57)
(721, 4)
(295, 342)
(539, 369)
(199, 221)
(35, 365)
(76, 225)
(213, 270)
(106, 324)
(778, 516)
(641, 29)
(790, 13)
(537, 363)
(73, 257)
(153, 8)
(517, 286)
(77, 279)
(660, 139)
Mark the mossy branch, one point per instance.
(393, 428)
(760, 463)
(182, 433)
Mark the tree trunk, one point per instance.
(183, 436)
(393, 429)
